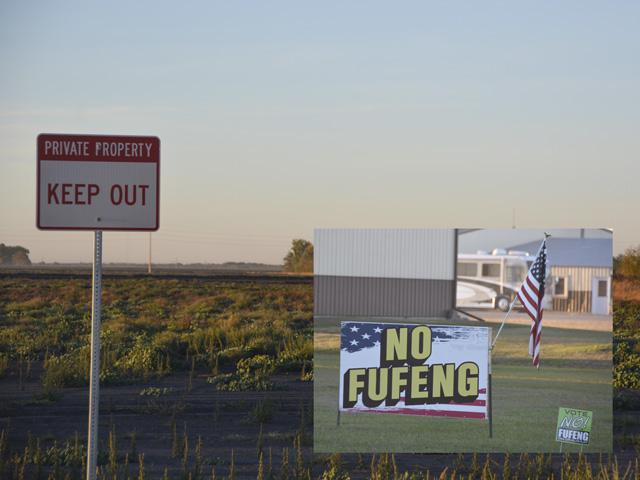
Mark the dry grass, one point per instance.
(326, 341)
(625, 289)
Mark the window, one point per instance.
(491, 270)
(560, 287)
(602, 288)
(516, 273)
(466, 269)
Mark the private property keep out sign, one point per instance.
(95, 182)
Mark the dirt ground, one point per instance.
(223, 420)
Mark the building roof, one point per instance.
(574, 252)
(472, 240)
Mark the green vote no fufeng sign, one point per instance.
(574, 426)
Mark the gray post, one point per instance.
(490, 408)
(490, 387)
(94, 378)
(149, 263)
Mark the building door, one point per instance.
(600, 295)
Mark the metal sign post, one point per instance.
(94, 378)
(489, 385)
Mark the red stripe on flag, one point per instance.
(533, 287)
(475, 403)
(524, 292)
(526, 309)
(480, 391)
(430, 413)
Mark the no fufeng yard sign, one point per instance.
(574, 426)
(95, 182)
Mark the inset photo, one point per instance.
(462, 340)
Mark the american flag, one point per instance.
(530, 295)
(358, 335)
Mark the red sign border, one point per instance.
(112, 137)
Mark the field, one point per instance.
(204, 376)
(576, 372)
(196, 375)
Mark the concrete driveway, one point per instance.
(576, 321)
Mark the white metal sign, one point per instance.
(98, 182)
(434, 370)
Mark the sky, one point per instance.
(279, 117)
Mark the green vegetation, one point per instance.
(153, 327)
(155, 391)
(627, 264)
(4, 364)
(14, 255)
(66, 462)
(248, 333)
(251, 374)
(626, 345)
(626, 327)
(299, 259)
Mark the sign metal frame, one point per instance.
(93, 158)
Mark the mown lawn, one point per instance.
(576, 371)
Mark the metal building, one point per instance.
(385, 272)
(581, 271)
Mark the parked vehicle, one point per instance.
(491, 280)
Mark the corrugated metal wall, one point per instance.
(384, 272)
(384, 253)
(576, 302)
(580, 277)
(579, 287)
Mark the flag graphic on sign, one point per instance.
(449, 362)
(530, 295)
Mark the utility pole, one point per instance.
(149, 261)
(513, 218)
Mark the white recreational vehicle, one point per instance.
(491, 280)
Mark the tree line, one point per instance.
(299, 259)
(627, 264)
(15, 255)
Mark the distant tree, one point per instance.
(14, 255)
(627, 264)
(300, 257)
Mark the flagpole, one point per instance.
(492, 344)
(503, 322)
(546, 235)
